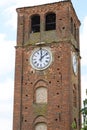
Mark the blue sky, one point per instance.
(8, 29)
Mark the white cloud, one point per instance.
(84, 86)
(83, 40)
(5, 124)
(6, 90)
(5, 2)
(6, 104)
(33, 2)
(12, 16)
(7, 55)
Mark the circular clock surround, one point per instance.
(41, 58)
(75, 63)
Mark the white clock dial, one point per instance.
(75, 63)
(41, 58)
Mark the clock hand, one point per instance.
(44, 55)
(40, 54)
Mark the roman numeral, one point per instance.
(46, 61)
(35, 62)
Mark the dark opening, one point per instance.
(71, 25)
(50, 21)
(75, 122)
(35, 23)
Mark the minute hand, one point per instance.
(44, 55)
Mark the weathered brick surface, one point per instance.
(59, 78)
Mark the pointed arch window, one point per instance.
(35, 23)
(50, 21)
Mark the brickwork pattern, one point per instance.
(58, 113)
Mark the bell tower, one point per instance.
(47, 69)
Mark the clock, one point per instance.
(41, 58)
(75, 63)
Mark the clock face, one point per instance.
(41, 58)
(75, 63)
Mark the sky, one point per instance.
(8, 31)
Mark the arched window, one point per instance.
(35, 23)
(50, 21)
(41, 95)
(41, 126)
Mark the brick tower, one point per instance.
(47, 69)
